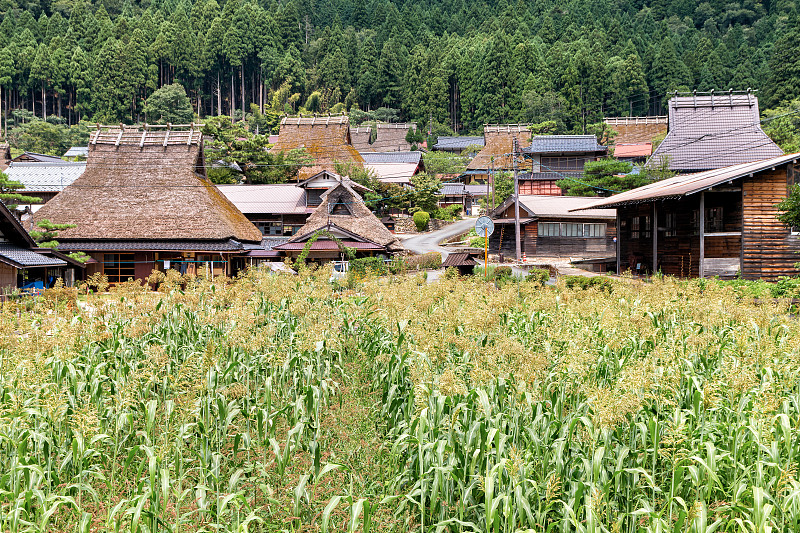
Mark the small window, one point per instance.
(594, 230)
(671, 225)
(635, 228)
(549, 229)
(714, 222)
(571, 230)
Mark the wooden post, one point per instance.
(619, 245)
(655, 237)
(701, 263)
(741, 248)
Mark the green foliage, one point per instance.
(45, 137)
(246, 155)
(451, 212)
(782, 124)
(790, 208)
(539, 276)
(47, 233)
(426, 191)
(169, 104)
(502, 272)
(421, 219)
(349, 253)
(364, 266)
(585, 282)
(10, 192)
(437, 163)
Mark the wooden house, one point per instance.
(144, 202)
(499, 145)
(637, 130)
(554, 157)
(463, 261)
(44, 179)
(719, 222)
(550, 228)
(344, 215)
(392, 137)
(713, 130)
(326, 139)
(394, 167)
(24, 265)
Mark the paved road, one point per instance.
(429, 242)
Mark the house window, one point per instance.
(671, 225)
(646, 227)
(571, 229)
(288, 231)
(118, 267)
(270, 228)
(714, 220)
(635, 228)
(563, 163)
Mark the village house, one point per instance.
(44, 179)
(557, 157)
(637, 130)
(457, 144)
(467, 196)
(501, 141)
(394, 167)
(144, 203)
(326, 139)
(550, 228)
(342, 219)
(720, 222)
(23, 265)
(713, 130)
(33, 157)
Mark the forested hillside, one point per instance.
(447, 65)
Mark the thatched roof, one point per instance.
(361, 137)
(392, 137)
(146, 185)
(343, 211)
(326, 139)
(499, 143)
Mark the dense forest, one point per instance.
(450, 66)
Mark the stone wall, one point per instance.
(406, 225)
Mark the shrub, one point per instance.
(451, 273)
(503, 272)
(451, 212)
(584, 283)
(538, 275)
(421, 219)
(431, 260)
(98, 282)
(786, 287)
(363, 266)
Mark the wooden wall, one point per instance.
(503, 241)
(770, 250)
(8, 276)
(543, 187)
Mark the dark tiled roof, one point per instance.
(457, 143)
(228, 245)
(23, 258)
(330, 245)
(267, 243)
(564, 144)
(457, 259)
(475, 190)
(708, 132)
(452, 189)
(42, 158)
(391, 157)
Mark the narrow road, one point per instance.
(429, 242)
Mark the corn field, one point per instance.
(276, 403)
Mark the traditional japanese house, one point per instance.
(392, 137)
(556, 157)
(326, 139)
(24, 265)
(33, 157)
(44, 180)
(463, 261)
(361, 138)
(637, 130)
(394, 167)
(718, 222)
(342, 219)
(144, 202)
(550, 228)
(713, 130)
(501, 141)
(458, 144)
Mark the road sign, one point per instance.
(484, 226)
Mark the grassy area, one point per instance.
(278, 403)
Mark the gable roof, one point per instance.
(636, 130)
(328, 179)
(713, 131)
(564, 144)
(326, 139)
(45, 177)
(499, 144)
(283, 199)
(457, 143)
(40, 158)
(556, 207)
(457, 259)
(685, 185)
(147, 185)
(361, 224)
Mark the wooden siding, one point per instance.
(8, 276)
(770, 250)
(503, 241)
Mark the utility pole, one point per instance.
(517, 239)
(491, 168)
(491, 178)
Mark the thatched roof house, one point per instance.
(344, 215)
(361, 137)
(145, 192)
(392, 137)
(637, 130)
(498, 147)
(326, 139)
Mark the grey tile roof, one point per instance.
(475, 190)
(391, 157)
(24, 258)
(452, 189)
(228, 245)
(457, 143)
(39, 158)
(564, 144)
(709, 132)
(76, 151)
(267, 243)
(45, 177)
